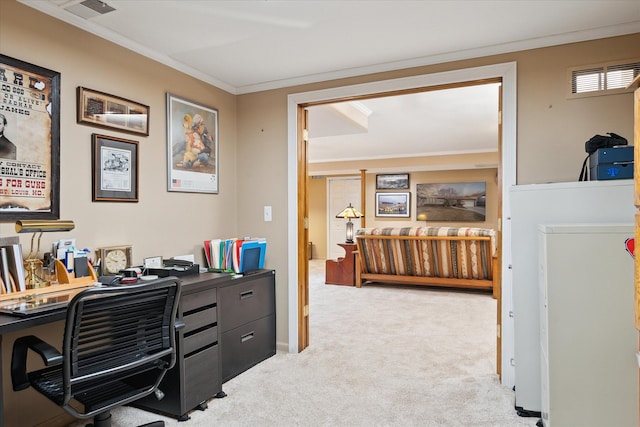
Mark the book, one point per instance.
(4, 270)
(207, 253)
(16, 265)
(252, 255)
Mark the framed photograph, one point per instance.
(392, 181)
(29, 141)
(393, 204)
(192, 146)
(459, 201)
(115, 169)
(113, 112)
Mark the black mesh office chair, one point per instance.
(118, 343)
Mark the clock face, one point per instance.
(115, 260)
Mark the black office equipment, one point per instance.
(118, 344)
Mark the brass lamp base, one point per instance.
(33, 266)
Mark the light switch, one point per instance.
(267, 214)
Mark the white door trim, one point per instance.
(507, 72)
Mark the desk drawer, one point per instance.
(197, 340)
(247, 345)
(192, 301)
(246, 301)
(200, 319)
(201, 377)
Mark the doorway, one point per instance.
(505, 72)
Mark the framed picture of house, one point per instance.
(393, 205)
(29, 141)
(398, 181)
(459, 201)
(192, 146)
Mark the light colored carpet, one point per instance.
(379, 356)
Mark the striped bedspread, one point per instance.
(443, 252)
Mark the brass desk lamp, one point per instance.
(32, 262)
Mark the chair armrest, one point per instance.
(49, 354)
(179, 325)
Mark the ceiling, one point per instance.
(254, 45)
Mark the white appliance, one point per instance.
(532, 205)
(588, 339)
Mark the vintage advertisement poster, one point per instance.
(192, 146)
(29, 141)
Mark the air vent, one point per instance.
(603, 79)
(89, 9)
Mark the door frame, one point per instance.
(507, 72)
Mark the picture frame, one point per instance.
(192, 146)
(114, 169)
(100, 109)
(393, 205)
(398, 181)
(457, 201)
(29, 141)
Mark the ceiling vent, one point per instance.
(89, 9)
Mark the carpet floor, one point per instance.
(380, 355)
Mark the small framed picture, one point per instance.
(109, 111)
(398, 181)
(393, 205)
(114, 169)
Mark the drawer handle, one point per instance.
(247, 337)
(246, 294)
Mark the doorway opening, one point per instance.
(298, 165)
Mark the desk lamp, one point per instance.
(350, 212)
(32, 262)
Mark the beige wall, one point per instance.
(318, 203)
(551, 130)
(253, 138)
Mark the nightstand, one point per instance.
(342, 270)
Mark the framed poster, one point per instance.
(29, 141)
(113, 112)
(192, 146)
(398, 181)
(393, 204)
(115, 169)
(458, 201)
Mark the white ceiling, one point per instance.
(254, 45)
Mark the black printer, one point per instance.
(611, 163)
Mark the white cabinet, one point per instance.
(587, 337)
(560, 203)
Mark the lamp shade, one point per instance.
(350, 212)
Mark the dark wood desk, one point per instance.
(342, 270)
(199, 369)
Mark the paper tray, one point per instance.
(174, 271)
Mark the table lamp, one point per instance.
(32, 262)
(350, 212)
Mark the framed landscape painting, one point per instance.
(393, 204)
(459, 201)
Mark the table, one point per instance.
(342, 270)
(200, 310)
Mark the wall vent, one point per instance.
(602, 79)
(89, 9)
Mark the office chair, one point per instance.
(119, 341)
